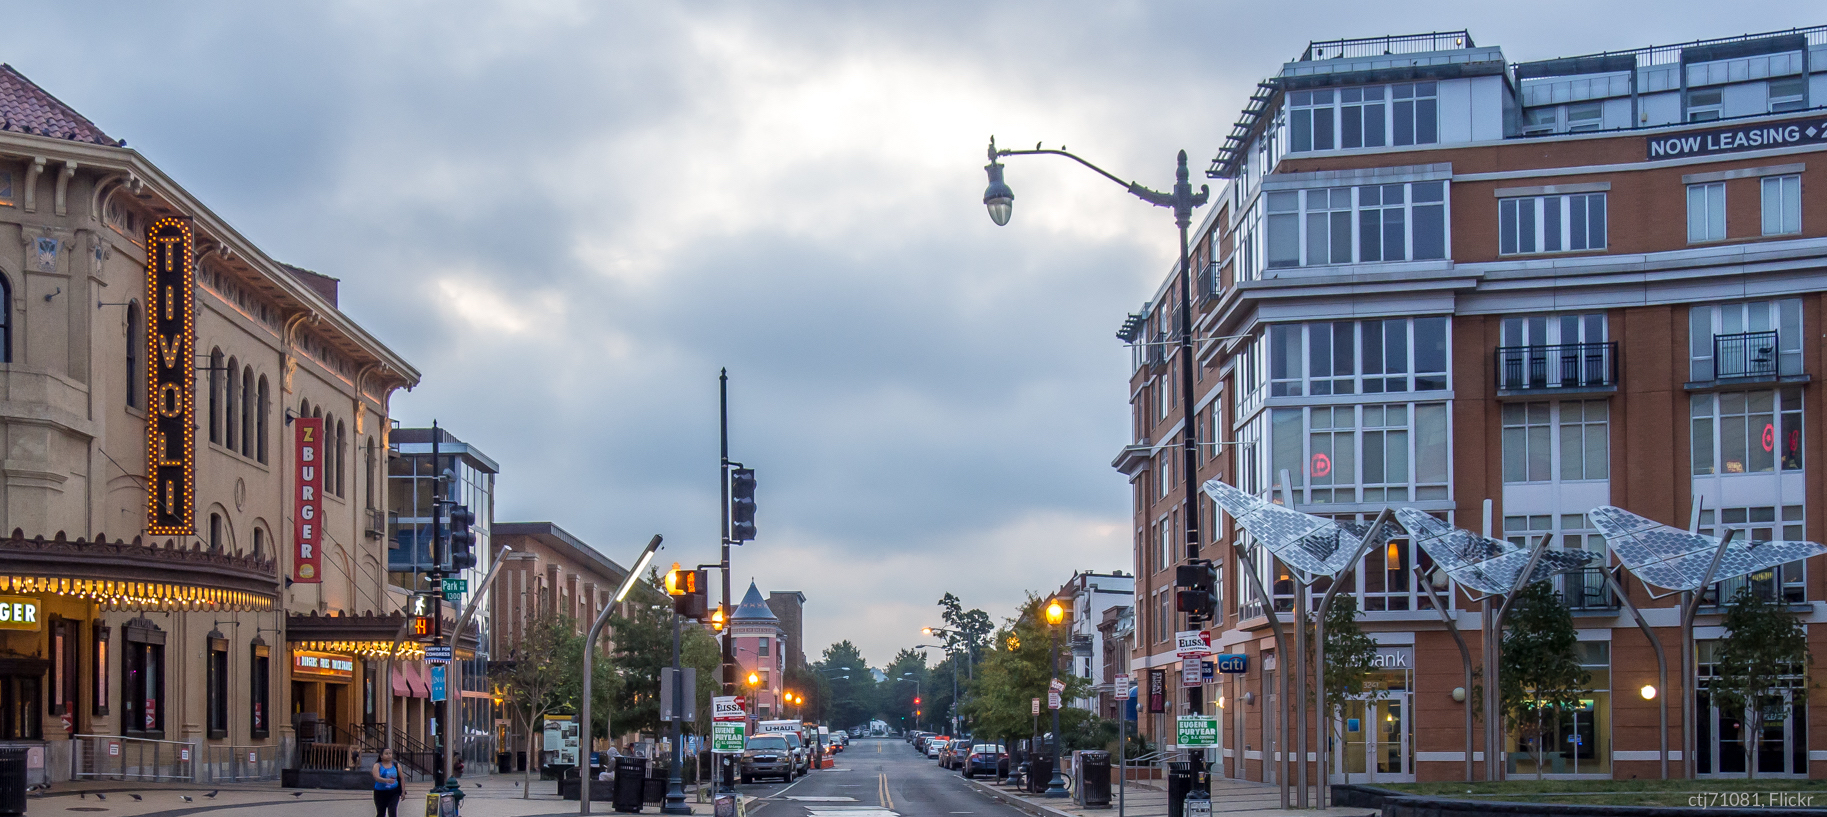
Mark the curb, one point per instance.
(1022, 803)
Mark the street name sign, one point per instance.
(455, 587)
(1194, 731)
(1192, 644)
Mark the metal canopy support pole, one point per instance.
(1689, 661)
(1465, 656)
(1661, 665)
(1281, 641)
(1319, 663)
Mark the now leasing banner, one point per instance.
(1196, 730)
(307, 499)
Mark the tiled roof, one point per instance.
(27, 108)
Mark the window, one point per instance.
(1352, 357)
(342, 458)
(215, 532)
(1747, 432)
(370, 476)
(66, 654)
(263, 407)
(232, 432)
(247, 411)
(136, 349)
(761, 647)
(217, 366)
(259, 543)
(1541, 121)
(99, 692)
(216, 681)
(1393, 453)
(1362, 224)
(1782, 205)
(1585, 117)
(1761, 339)
(1706, 220)
(1760, 524)
(1165, 471)
(1704, 104)
(1544, 441)
(1528, 224)
(143, 680)
(1788, 94)
(1355, 117)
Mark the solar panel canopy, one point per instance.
(1312, 545)
(1674, 559)
(1490, 566)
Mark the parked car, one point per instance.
(767, 756)
(987, 759)
(934, 745)
(948, 754)
(802, 755)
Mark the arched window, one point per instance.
(215, 531)
(136, 346)
(263, 406)
(259, 543)
(369, 477)
(6, 324)
(342, 457)
(233, 432)
(304, 408)
(216, 367)
(247, 411)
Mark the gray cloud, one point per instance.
(570, 215)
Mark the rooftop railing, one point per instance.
(1387, 45)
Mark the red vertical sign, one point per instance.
(307, 499)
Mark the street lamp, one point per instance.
(1183, 201)
(1056, 785)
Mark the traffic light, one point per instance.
(716, 619)
(462, 540)
(420, 609)
(916, 700)
(1195, 597)
(688, 590)
(742, 504)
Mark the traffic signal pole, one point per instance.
(728, 777)
(440, 721)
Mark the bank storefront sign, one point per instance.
(1759, 136)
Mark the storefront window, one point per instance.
(1575, 740)
(143, 679)
(259, 681)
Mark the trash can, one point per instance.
(1041, 765)
(1179, 782)
(630, 775)
(12, 781)
(504, 762)
(1094, 778)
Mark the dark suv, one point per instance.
(767, 756)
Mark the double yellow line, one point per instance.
(882, 789)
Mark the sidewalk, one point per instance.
(1146, 799)
(492, 796)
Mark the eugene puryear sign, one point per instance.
(1196, 730)
(308, 502)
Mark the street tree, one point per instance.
(1017, 668)
(643, 647)
(908, 675)
(852, 686)
(543, 675)
(1542, 675)
(970, 630)
(1764, 647)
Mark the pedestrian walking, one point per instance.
(386, 775)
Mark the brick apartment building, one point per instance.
(1431, 278)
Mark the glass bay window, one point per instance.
(1358, 224)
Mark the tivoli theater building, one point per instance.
(1433, 278)
(192, 487)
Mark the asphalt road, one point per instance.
(877, 777)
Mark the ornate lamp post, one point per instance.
(1056, 785)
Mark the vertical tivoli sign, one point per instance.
(307, 499)
(171, 341)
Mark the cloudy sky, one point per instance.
(570, 215)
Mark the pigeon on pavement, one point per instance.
(186, 798)
(135, 797)
(100, 796)
(212, 795)
(297, 794)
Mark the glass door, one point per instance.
(1782, 750)
(1376, 742)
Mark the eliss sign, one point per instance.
(1738, 139)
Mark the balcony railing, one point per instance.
(1747, 354)
(1157, 350)
(1784, 583)
(1208, 283)
(1585, 589)
(1563, 366)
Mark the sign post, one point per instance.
(1122, 697)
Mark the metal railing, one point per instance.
(1209, 283)
(239, 764)
(1585, 589)
(329, 757)
(113, 757)
(1557, 366)
(1157, 350)
(1383, 46)
(1746, 354)
(1783, 583)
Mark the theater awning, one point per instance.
(133, 576)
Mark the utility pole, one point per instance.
(675, 786)
(728, 776)
(440, 722)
